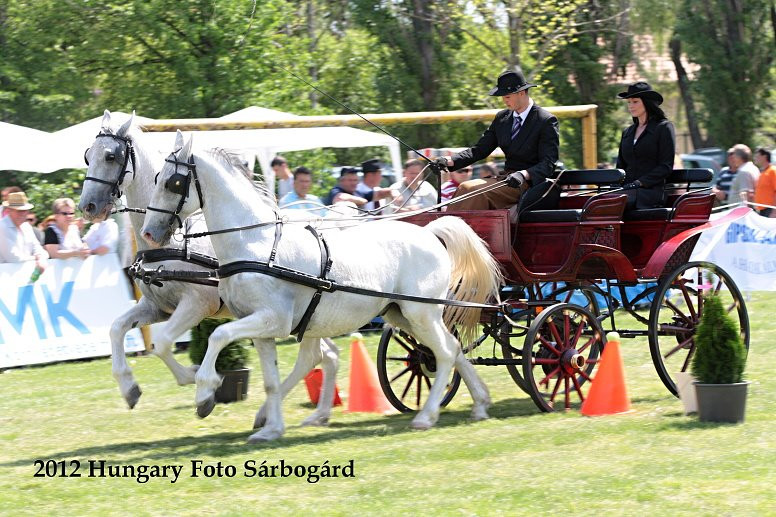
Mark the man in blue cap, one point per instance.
(528, 135)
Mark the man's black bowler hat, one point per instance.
(642, 90)
(511, 81)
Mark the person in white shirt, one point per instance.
(18, 242)
(103, 237)
(283, 174)
(412, 193)
(745, 181)
(300, 198)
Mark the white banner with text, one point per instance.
(65, 314)
(745, 249)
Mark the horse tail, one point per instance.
(475, 275)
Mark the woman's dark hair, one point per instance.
(653, 111)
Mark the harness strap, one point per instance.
(329, 286)
(159, 255)
(325, 267)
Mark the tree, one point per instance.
(732, 42)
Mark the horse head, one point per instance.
(172, 200)
(110, 158)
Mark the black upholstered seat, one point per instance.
(648, 214)
(551, 216)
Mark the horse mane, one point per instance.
(235, 163)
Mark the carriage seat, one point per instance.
(679, 178)
(592, 178)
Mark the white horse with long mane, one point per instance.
(384, 257)
(111, 169)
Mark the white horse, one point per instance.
(185, 304)
(385, 257)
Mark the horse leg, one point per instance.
(431, 333)
(190, 310)
(477, 388)
(311, 352)
(273, 426)
(142, 313)
(329, 365)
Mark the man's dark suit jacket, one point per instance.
(535, 149)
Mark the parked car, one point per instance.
(718, 154)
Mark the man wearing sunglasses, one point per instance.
(62, 239)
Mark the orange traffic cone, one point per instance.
(314, 382)
(366, 395)
(607, 394)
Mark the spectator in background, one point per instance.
(32, 220)
(103, 237)
(745, 180)
(722, 186)
(765, 192)
(412, 193)
(62, 239)
(5, 193)
(17, 240)
(300, 198)
(345, 189)
(487, 170)
(456, 178)
(369, 188)
(283, 175)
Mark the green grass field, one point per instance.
(653, 460)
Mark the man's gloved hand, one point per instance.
(515, 180)
(442, 162)
(632, 185)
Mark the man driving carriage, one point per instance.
(528, 135)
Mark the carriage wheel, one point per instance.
(561, 351)
(406, 370)
(673, 321)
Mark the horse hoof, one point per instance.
(206, 407)
(133, 396)
(315, 420)
(421, 425)
(479, 414)
(259, 421)
(264, 436)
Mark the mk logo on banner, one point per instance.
(26, 302)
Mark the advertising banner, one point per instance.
(65, 314)
(745, 248)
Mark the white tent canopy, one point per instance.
(38, 151)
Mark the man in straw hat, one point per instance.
(17, 240)
(528, 135)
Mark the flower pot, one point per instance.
(234, 387)
(686, 389)
(721, 402)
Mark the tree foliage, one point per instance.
(732, 42)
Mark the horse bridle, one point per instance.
(128, 154)
(179, 184)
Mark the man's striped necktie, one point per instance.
(517, 123)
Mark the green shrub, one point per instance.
(234, 355)
(720, 355)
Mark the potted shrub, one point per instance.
(718, 365)
(230, 363)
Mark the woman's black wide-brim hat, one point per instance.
(510, 81)
(642, 90)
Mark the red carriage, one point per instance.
(569, 272)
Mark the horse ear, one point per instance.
(124, 129)
(106, 119)
(178, 139)
(186, 151)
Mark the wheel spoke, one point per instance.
(549, 376)
(555, 389)
(678, 347)
(401, 342)
(688, 301)
(590, 341)
(420, 389)
(407, 387)
(549, 345)
(679, 313)
(566, 393)
(580, 327)
(687, 359)
(566, 327)
(555, 333)
(404, 359)
(428, 382)
(407, 369)
(578, 388)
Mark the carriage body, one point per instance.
(568, 271)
